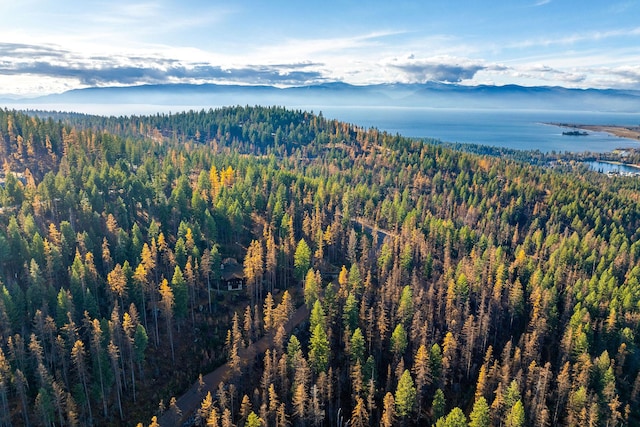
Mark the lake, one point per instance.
(517, 129)
(605, 167)
(521, 130)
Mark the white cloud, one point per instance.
(440, 69)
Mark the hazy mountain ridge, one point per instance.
(430, 95)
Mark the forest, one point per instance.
(443, 287)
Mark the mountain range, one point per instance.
(428, 95)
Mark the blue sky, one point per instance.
(48, 46)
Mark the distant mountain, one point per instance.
(433, 95)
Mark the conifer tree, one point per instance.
(405, 397)
(515, 416)
(301, 260)
(311, 288)
(319, 349)
(455, 418)
(438, 405)
(78, 355)
(117, 282)
(359, 415)
(480, 416)
(180, 295)
(399, 340)
(389, 411)
(166, 306)
(253, 420)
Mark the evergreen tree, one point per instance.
(405, 397)
(455, 418)
(301, 260)
(319, 349)
(480, 416)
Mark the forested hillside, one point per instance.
(445, 288)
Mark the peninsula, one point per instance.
(630, 132)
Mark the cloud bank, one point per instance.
(441, 69)
(23, 59)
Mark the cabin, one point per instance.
(232, 275)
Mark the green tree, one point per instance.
(405, 396)
(480, 416)
(438, 405)
(355, 279)
(356, 350)
(301, 260)
(317, 316)
(405, 307)
(253, 420)
(455, 418)
(311, 288)
(350, 312)
(319, 349)
(435, 363)
(180, 294)
(399, 340)
(515, 417)
(140, 342)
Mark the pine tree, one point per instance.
(359, 416)
(399, 340)
(117, 282)
(300, 402)
(388, 411)
(480, 416)
(319, 349)
(245, 407)
(422, 372)
(214, 418)
(206, 406)
(253, 420)
(449, 356)
(515, 417)
(301, 260)
(405, 396)
(317, 316)
(311, 288)
(357, 346)
(254, 270)
(405, 307)
(78, 355)
(180, 303)
(268, 312)
(166, 306)
(455, 418)
(438, 405)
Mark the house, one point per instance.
(232, 275)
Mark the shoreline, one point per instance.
(613, 162)
(625, 132)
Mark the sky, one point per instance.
(53, 46)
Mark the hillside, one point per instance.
(444, 287)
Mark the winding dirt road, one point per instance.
(190, 401)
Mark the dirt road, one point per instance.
(190, 401)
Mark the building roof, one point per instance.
(231, 270)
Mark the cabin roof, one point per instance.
(231, 270)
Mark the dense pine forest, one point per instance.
(444, 287)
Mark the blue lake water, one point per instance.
(605, 167)
(521, 130)
(517, 129)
